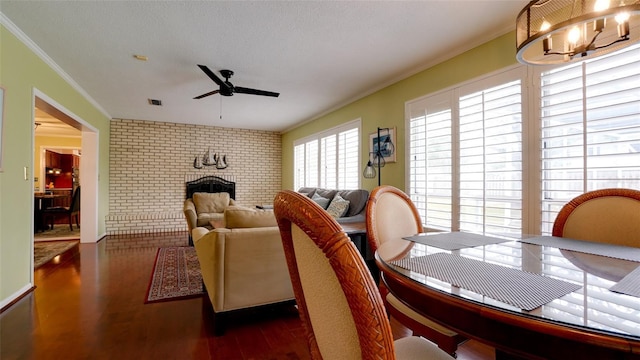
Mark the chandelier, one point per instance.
(559, 31)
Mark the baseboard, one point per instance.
(15, 297)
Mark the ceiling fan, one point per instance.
(227, 88)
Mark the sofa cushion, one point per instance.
(211, 202)
(204, 219)
(240, 217)
(308, 191)
(320, 200)
(326, 193)
(338, 206)
(357, 200)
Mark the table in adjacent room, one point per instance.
(41, 202)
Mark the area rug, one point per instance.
(44, 251)
(59, 232)
(176, 275)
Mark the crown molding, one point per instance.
(15, 30)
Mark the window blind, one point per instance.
(328, 162)
(465, 156)
(430, 160)
(491, 160)
(329, 159)
(348, 174)
(590, 120)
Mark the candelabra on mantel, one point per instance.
(383, 147)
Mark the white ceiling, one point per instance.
(48, 125)
(318, 55)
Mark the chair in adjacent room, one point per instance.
(339, 303)
(607, 216)
(51, 213)
(390, 216)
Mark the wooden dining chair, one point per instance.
(341, 309)
(390, 216)
(607, 215)
(51, 213)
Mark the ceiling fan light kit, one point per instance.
(227, 88)
(561, 31)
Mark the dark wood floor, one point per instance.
(89, 304)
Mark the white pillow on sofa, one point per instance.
(338, 206)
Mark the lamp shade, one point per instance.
(561, 31)
(369, 171)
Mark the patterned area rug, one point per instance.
(176, 275)
(44, 251)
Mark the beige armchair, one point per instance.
(243, 264)
(204, 207)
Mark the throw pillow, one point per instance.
(211, 202)
(322, 201)
(338, 206)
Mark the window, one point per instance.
(590, 119)
(465, 156)
(329, 159)
(467, 168)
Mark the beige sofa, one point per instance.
(203, 207)
(243, 264)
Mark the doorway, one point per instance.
(57, 129)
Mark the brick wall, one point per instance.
(149, 162)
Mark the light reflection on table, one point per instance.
(592, 311)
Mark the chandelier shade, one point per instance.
(561, 31)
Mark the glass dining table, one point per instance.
(530, 297)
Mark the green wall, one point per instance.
(21, 71)
(385, 108)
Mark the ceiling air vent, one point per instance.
(155, 102)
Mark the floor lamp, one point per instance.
(382, 147)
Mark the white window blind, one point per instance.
(329, 159)
(299, 172)
(590, 114)
(430, 160)
(311, 164)
(348, 173)
(328, 162)
(491, 160)
(465, 156)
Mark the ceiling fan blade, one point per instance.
(243, 90)
(213, 76)
(207, 94)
